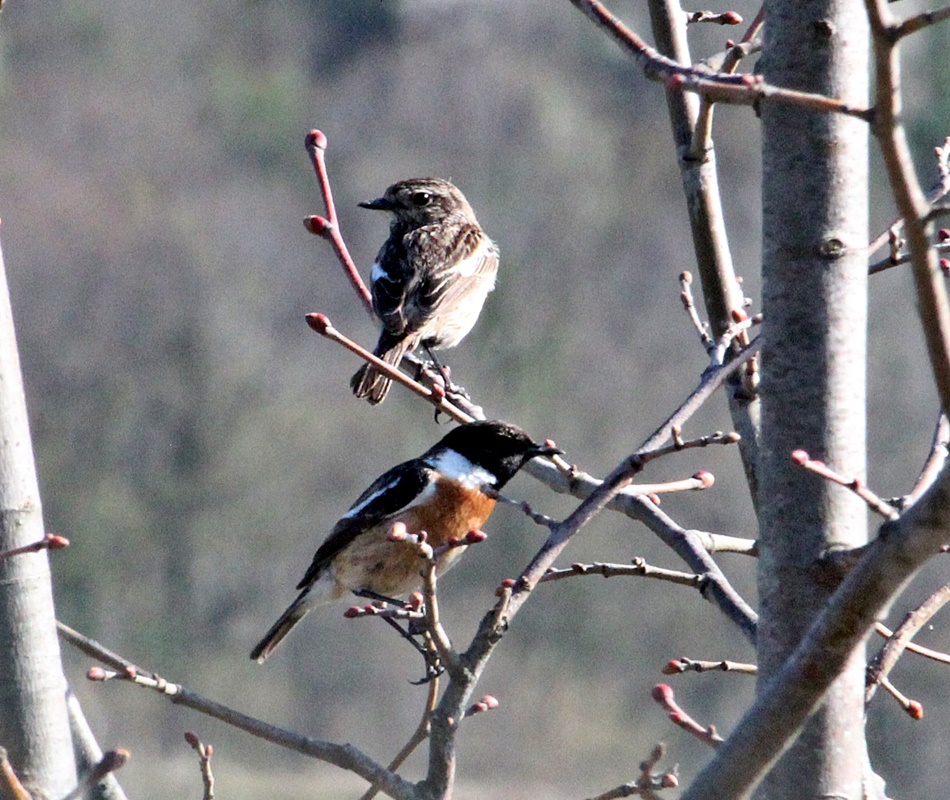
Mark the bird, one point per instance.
(430, 278)
(446, 492)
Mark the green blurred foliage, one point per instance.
(196, 441)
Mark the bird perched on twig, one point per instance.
(431, 276)
(441, 492)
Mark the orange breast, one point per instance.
(393, 569)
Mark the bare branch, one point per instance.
(921, 21)
(204, 751)
(722, 88)
(932, 300)
(856, 485)
(329, 229)
(786, 702)
(109, 763)
(926, 652)
(883, 662)
(436, 395)
(345, 756)
(638, 568)
(663, 695)
(49, 542)
(681, 665)
(648, 784)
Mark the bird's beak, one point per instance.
(379, 204)
(544, 450)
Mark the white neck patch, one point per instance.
(458, 468)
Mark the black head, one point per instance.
(499, 447)
(423, 201)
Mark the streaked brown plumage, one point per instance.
(431, 276)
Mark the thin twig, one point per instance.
(856, 485)
(322, 325)
(419, 735)
(204, 751)
(913, 647)
(345, 756)
(49, 542)
(648, 784)
(735, 89)
(638, 567)
(9, 781)
(329, 228)
(933, 465)
(932, 301)
(680, 665)
(883, 662)
(663, 695)
(111, 761)
(913, 708)
(921, 21)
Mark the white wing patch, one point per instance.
(378, 273)
(422, 497)
(458, 468)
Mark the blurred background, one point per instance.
(196, 441)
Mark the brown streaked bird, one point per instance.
(431, 277)
(441, 492)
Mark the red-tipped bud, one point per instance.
(654, 498)
(945, 266)
(398, 533)
(416, 601)
(209, 750)
(943, 235)
(192, 739)
(438, 391)
(490, 701)
(730, 44)
(707, 479)
(352, 612)
(672, 667)
(915, 709)
(506, 585)
(669, 781)
(475, 537)
(316, 139)
(662, 693)
(686, 277)
(319, 322)
(96, 674)
(738, 315)
(578, 568)
(748, 80)
(800, 457)
(131, 672)
(731, 18)
(316, 225)
(55, 542)
(675, 81)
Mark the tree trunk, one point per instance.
(34, 724)
(813, 366)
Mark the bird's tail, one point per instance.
(369, 383)
(308, 599)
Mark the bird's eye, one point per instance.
(421, 199)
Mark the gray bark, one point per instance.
(34, 724)
(813, 367)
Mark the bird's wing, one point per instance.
(403, 486)
(446, 274)
(391, 281)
